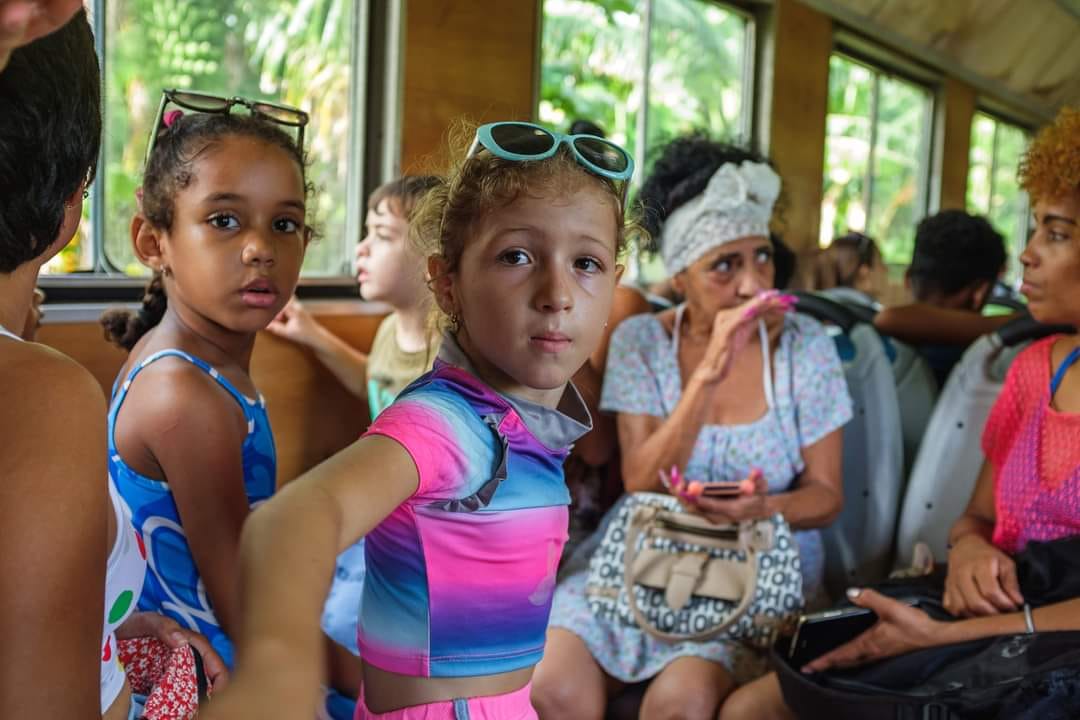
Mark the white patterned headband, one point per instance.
(737, 202)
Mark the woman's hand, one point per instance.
(900, 629)
(747, 506)
(731, 332)
(981, 579)
(168, 631)
(295, 323)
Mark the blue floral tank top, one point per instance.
(173, 586)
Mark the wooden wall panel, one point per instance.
(312, 414)
(958, 100)
(472, 59)
(800, 94)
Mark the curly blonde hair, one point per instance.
(448, 214)
(1051, 166)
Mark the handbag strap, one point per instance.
(643, 519)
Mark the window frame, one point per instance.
(371, 156)
(883, 63)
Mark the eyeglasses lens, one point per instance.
(522, 139)
(201, 103)
(602, 154)
(285, 116)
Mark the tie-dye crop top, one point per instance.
(461, 575)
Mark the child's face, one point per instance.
(238, 234)
(534, 289)
(387, 267)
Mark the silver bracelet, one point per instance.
(1028, 620)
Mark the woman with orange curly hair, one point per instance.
(1029, 487)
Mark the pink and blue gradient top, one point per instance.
(461, 576)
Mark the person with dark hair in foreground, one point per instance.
(66, 534)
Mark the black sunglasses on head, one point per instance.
(206, 103)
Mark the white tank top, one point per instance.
(124, 573)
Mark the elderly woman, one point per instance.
(1029, 487)
(709, 388)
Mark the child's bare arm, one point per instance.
(284, 582)
(348, 364)
(195, 432)
(919, 323)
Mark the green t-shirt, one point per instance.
(390, 368)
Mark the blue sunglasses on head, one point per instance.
(524, 141)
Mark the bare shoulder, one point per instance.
(53, 424)
(171, 393)
(38, 381)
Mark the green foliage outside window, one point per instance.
(291, 51)
(876, 157)
(992, 188)
(594, 63)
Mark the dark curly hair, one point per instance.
(50, 135)
(682, 170)
(171, 168)
(954, 250)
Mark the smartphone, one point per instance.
(819, 632)
(722, 489)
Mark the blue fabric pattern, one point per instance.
(173, 586)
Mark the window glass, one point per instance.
(876, 157)
(295, 52)
(993, 188)
(594, 59)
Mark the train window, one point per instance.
(696, 55)
(992, 187)
(877, 156)
(293, 51)
(689, 63)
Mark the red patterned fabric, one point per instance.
(166, 676)
(1035, 452)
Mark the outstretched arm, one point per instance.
(284, 582)
(919, 323)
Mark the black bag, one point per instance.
(1021, 677)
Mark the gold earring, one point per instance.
(455, 322)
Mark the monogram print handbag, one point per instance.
(677, 576)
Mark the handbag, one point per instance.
(679, 577)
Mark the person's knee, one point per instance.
(760, 700)
(671, 701)
(562, 695)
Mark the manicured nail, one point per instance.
(854, 593)
(695, 489)
(178, 638)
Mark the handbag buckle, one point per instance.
(685, 576)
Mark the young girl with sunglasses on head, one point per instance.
(457, 486)
(222, 224)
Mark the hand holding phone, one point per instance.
(819, 632)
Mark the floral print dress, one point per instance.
(807, 399)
